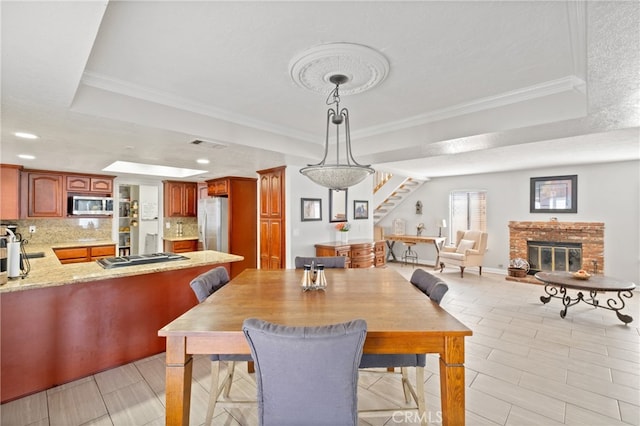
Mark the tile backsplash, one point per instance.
(189, 226)
(68, 230)
(51, 231)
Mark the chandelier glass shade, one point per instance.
(338, 176)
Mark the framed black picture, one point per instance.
(554, 194)
(337, 206)
(360, 209)
(311, 209)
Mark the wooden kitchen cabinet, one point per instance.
(218, 187)
(81, 254)
(45, 194)
(89, 184)
(272, 218)
(181, 246)
(180, 199)
(272, 193)
(10, 191)
(242, 217)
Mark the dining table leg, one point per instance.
(179, 367)
(452, 387)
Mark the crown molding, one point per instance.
(552, 87)
(125, 88)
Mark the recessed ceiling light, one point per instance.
(25, 135)
(202, 161)
(150, 169)
(26, 157)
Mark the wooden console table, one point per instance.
(557, 283)
(437, 242)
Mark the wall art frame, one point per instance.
(554, 194)
(360, 209)
(310, 209)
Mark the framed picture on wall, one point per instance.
(554, 194)
(360, 209)
(311, 209)
(337, 206)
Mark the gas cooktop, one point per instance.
(134, 260)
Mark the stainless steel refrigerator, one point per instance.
(213, 224)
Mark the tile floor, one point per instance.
(524, 366)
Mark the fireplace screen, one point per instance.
(554, 256)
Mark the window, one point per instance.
(467, 210)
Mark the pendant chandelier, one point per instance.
(337, 176)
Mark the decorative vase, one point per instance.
(344, 237)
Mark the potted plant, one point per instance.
(518, 268)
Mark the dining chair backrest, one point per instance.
(429, 284)
(204, 285)
(327, 261)
(306, 375)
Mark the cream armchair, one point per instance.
(469, 251)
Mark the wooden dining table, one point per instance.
(400, 319)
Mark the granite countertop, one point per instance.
(47, 271)
(169, 238)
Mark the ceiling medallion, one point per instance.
(363, 66)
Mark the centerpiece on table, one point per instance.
(343, 230)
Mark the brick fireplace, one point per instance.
(590, 235)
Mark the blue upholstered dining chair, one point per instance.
(204, 285)
(435, 289)
(306, 375)
(327, 261)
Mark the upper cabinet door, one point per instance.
(173, 199)
(45, 195)
(265, 191)
(10, 190)
(101, 185)
(78, 183)
(272, 193)
(277, 187)
(190, 199)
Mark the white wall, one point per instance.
(608, 193)
(302, 236)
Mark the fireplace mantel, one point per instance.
(589, 234)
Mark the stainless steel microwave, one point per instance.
(84, 205)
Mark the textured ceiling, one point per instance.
(473, 87)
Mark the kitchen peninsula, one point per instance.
(64, 322)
